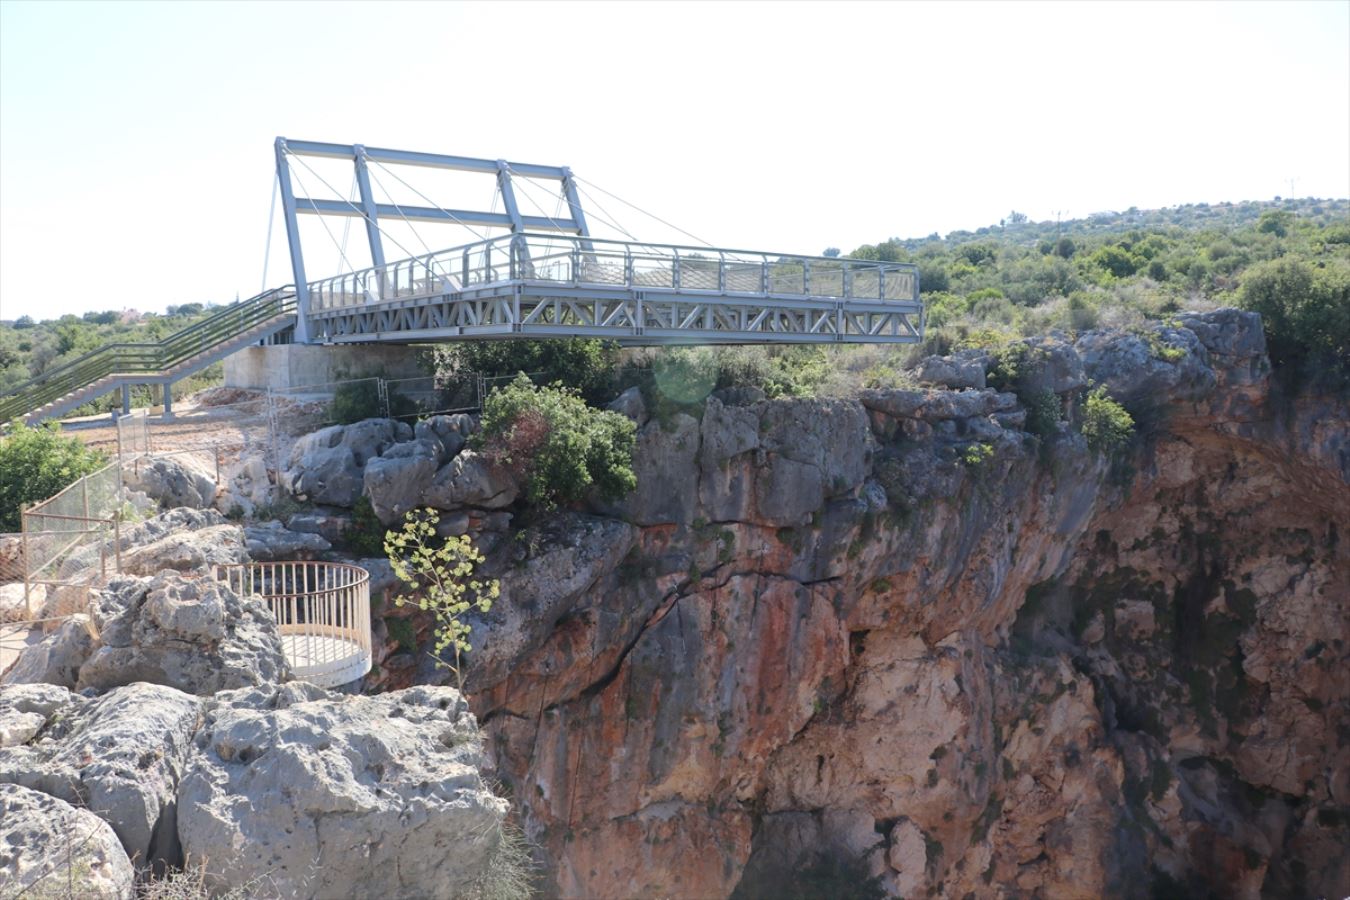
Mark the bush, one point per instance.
(1306, 310)
(1043, 412)
(583, 364)
(563, 447)
(1106, 424)
(36, 463)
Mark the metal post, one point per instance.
(168, 402)
(23, 555)
(293, 238)
(126, 399)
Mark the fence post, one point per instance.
(23, 556)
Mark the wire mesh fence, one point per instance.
(69, 544)
(133, 435)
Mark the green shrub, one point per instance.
(583, 364)
(562, 447)
(1044, 412)
(365, 532)
(1305, 309)
(1106, 424)
(36, 463)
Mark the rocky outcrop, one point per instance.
(325, 795)
(57, 658)
(120, 755)
(268, 541)
(193, 634)
(325, 467)
(48, 848)
(170, 483)
(903, 639)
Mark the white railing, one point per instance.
(322, 610)
(575, 261)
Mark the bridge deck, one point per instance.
(531, 285)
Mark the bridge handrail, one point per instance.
(471, 265)
(144, 358)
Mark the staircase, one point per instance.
(108, 368)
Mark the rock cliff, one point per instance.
(931, 642)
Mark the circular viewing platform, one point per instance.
(322, 610)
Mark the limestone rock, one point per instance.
(951, 371)
(470, 479)
(195, 635)
(664, 463)
(268, 541)
(57, 658)
(630, 404)
(14, 606)
(120, 755)
(48, 847)
(448, 432)
(188, 551)
(570, 554)
(326, 795)
(1132, 371)
(171, 483)
(247, 485)
(395, 485)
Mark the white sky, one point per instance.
(136, 139)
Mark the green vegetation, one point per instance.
(29, 348)
(439, 574)
(364, 533)
(584, 365)
(562, 447)
(1106, 424)
(1305, 305)
(36, 463)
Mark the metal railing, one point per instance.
(147, 359)
(575, 261)
(322, 610)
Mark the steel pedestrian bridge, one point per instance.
(547, 277)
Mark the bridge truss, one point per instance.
(549, 277)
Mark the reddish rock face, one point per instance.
(1038, 672)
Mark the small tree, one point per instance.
(36, 463)
(440, 576)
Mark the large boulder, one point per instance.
(246, 486)
(170, 482)
(1154, 367)
(120, 755)
(471, 479)
(450, 433)
(196, 635)
(325, 467)
(267, 541)
(49, 848)
(57, 658)
(395, 484)
(956, 372)
(325, 795)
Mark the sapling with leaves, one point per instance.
(440, 576)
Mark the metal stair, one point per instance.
(108, 368)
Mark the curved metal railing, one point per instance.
(322, 610)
